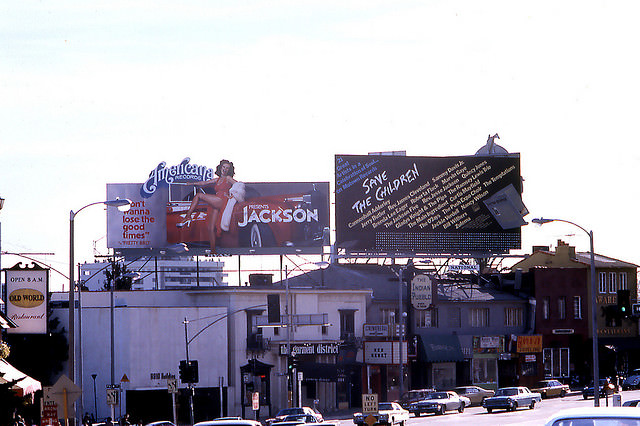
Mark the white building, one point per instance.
(235, 357)
(160, 273)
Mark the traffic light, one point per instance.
(292, 362)
(624, 303)
(188, 371)
(183, 371)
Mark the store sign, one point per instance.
(376, 330)
(384, 352)
(463, 268)
(27, 299)
(311, 349)
(530, 344)
(422, 289)
(489, 342)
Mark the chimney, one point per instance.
(565, 251)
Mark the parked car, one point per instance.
(389, 413)
(595, 416)
(440, 402)
(280, 415)
(631, 403)
(606, 388)
(412, 396)
(632, 381)
(512, 398)
(296, 419)
(228, 423)
(551, 388)
(476, 394)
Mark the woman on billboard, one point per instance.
(226, 190)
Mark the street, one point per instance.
(478, 416)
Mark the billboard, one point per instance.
(173, 210)
(466, 204)
(27, 298)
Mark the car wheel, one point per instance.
(563, 394)
(489, 410)
(260, 235)
(440, 410)
(512, 407)
(461, 408)
(584, 396)
(533, 404)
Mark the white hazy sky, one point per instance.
(99, 92)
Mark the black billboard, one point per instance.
(466, 204)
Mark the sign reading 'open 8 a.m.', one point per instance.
(466, 204)
(27, 290)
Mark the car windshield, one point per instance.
(608, 421)
(289, 411)
(542, 384)
(506, 392)
(299, 418)
(439, 395)
(385, 406)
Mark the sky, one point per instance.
(101, 92)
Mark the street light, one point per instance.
(124, 203)
(594, 313)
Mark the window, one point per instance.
(427, 318)
(612, 282)
(545, 308)
(454, 317)
(556, 362)
(484, 370)
(513, 317)
(623, 281)
(562, 307)
(479, 317)
(577, 307)
(347, 324)
(602, 282)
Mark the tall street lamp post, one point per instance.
(594, 306)
(125, 203)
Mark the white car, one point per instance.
(439, 403)
(229, 422)
(389, 413)
(596, 416)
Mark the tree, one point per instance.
(115, 275)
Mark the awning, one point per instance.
(441, 348)
(5, 322)
(321, 372)
(24, 385)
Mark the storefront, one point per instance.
(484, 365)
(319, 377)
(382, 374)
(440, 354)
(529, 350)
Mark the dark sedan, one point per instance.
(606, 388)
